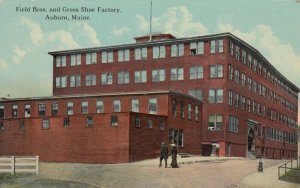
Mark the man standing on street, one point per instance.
(163, 154)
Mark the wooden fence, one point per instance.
(16, 164)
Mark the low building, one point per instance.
(100, 128)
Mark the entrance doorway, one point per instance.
(251, 150)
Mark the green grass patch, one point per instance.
(292, 176)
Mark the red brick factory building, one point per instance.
(198, 92)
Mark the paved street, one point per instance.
(194, 172)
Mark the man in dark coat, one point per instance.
(163, 154)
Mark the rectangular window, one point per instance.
(254, 64)
(123, 77)
(75, 59)
(249, 83)
(45, 124)
(230, 97)
(182, 110)
(177, 74)
(1, 126)
(90, 80)
(244, 55)
(60, 61)
(233, 124)
(215, 122)
(89, 121)
(66, 122)
(174, 108)
(196, 72)
(140, 76)
(22, 124)
(243, 80)
(137, 122)
(159, 52)
(84, 107)
(75, 80)
(197, 93)
(106, 78)
(158, 75)
(61, 81)
(117, 106)
(42, 110)
(152, 106)
(140, 53)
(254, 86)
(231, 48)
(196, 113)
(212, 46)
(230, 72)
(161, 125)
(220, 46)
(91, 58)
(114, 120)
(70, 108)
(123, 55)
(216, 71)
(237, 52)
(249, 60)
(107, 57)
(215, 96)
(15, 111)
(243, 102)
(177, 50)
(135, 105)
(150, 124)
(237, 100)
(189, 111)
(216, 46)
(27, 110)
(237, 76)
(54, 109)
(1, 111)
(99, 106)
(249, 105)
(197, 48)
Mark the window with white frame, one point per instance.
(75, 59)
(27, 110)
(231, 48)
(237, 76)
(54, 109)
(215, 122)
(123, 77)
(215, 96)
(254, 86)
(2, 111)
(107, 57)
(159, 52)
(123, 55)
(254, 64)
(249, 80)
(177, 50)
(216, 71)
(212, 46)
(106, 78)
(117, 106)
(176, 137)
(196, 93)
(90, 80)
(216, 46)
(140, 53)
(249, 105)
(237, 52)
(243, 80)
(75, 80)
(89, 121)
(174, 108)
(60, 61)
(158, 75)
(152, 106)
(244, 56)
(196, 72)
(99, 106)
(230, 72)
(45, 124)
(42, 109)
(249, 60)
(91, 58)
(140, 76)
(61, 81)
(237, 100)
(243, 102)
(182, 113)
(197, 114)
(233, 124)
(189, 111)
(84, 107)
(197, 48)
(15, 111)
(230, 97)
(135, 105)
(177, 73)
(70, 108)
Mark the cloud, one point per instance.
(35, 30)
(176, 20)
(281, 55)
(64, 38)
(91, 34)
(120, 31)
(18, 55)
(3, 64)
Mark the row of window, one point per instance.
(254, 64)
(182, 110)
(158, 75)
(239, 101)
(45, 123)
(196, 48)
(256, 87)
(282, 136)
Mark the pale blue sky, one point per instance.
(271, 26)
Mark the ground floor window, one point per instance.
(215, 122)
(176, 137)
